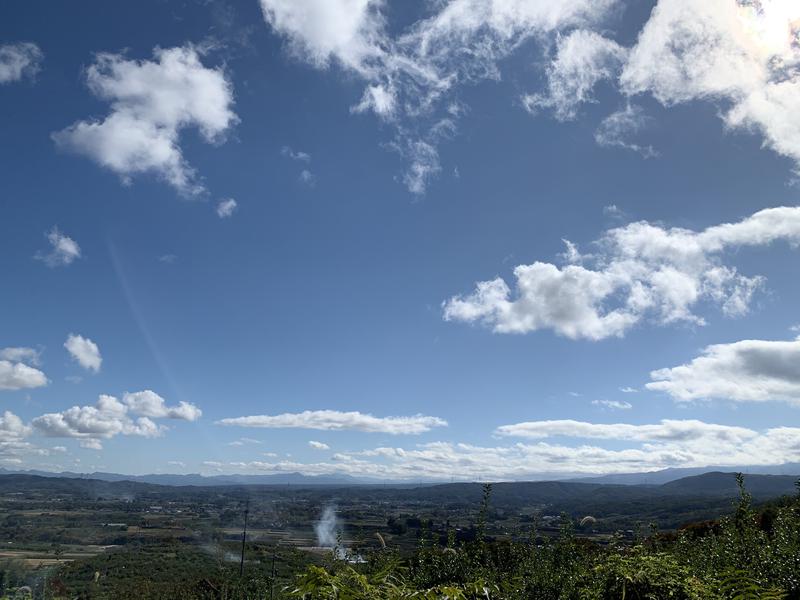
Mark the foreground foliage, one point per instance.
(748, 555)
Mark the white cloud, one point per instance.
(628, 390)
(583, 58)
(109, 417)
(63, 250)
(106, 419)
(149, 404)
(21, 354)
(152, 102)
(296, 154)
(640, 271)
(349, 31)
(91, 444)
(412, 79)
(19, 60)
(307, 177)
(242, 441)
(744, 371)
(378, 99)
(226, 208)
(613, 404)
(18, 376)
(742, 55)
(650, 447)
(12, 428)
(335, 420)
(318, 445)
(666, 430)
(84, 351)
(176, 463)
(616, 129)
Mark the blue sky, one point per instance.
(232, 229)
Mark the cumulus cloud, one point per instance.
(106, 419)
(743, 371)
(613, 404)
(109, 417)
(349, 31)
(63, 250)
(648, 447)
(618, 128)
(15, 374)
(412, 78)
(742, 55)
(13, 439)
(639, 271)
(21, 354)
(18, 376)
(84, 351)
(318, 445)
(12, 428)
(18, 61)
(152, 102)
(226, 208)
(149, 404)
(583, 58)
(335, 420)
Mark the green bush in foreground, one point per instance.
(749, 555)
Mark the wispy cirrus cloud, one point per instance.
(19, 61)
(583, 59)
(226, 208)
(412, 79)
(613, 404)
(619, 129)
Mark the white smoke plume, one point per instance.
(326, 528)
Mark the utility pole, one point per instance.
(244, 536)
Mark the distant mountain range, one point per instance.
(653, 478)
(667, 475)
(196, 479)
